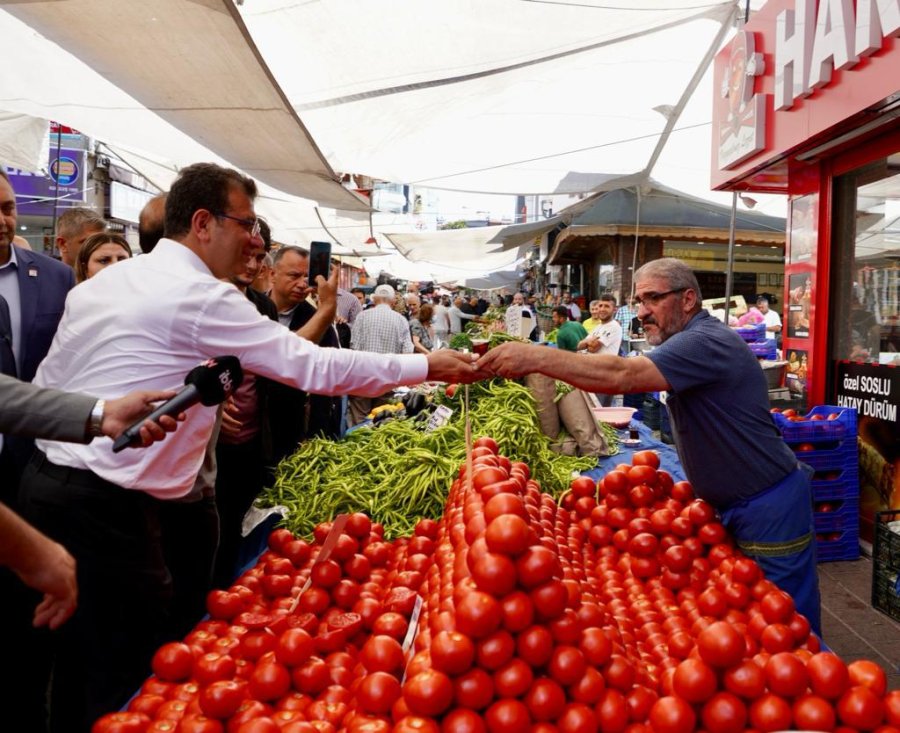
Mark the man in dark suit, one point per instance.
(33, 290)
(244, 449)
(290, 290)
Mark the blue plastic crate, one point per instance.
(845, 485)
(844, 516)
(764, 349)
(752, 333)
(842, 454)
(810, 431)
(846, 547)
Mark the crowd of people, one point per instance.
(115, 552)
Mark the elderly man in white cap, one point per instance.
(382, 330)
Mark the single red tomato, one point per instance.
(377, 693)
(545, 699)
(513, 679)
(577, 718)
(452, 652)
(200, 724)
(173, 662)
(221, 699)
(507, 716)
(672, 715)
(269, 681)
(612, 712)
(724, 713)
(812, 712)
(535, 645)
(747, 680)
(382, 654)
(473, 689)
(645, 458)
(860, 708)
(462, 720)
(868, 674)
(786, 674)
(770, 712)
(694, 680)
(428, 693)
(721, 645)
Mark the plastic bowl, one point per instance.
(618, 417)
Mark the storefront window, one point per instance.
(866, 284)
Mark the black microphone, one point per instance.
(209, 384)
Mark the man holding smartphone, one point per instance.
(296, 415)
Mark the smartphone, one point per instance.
(319, 261)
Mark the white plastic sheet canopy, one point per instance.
(498, 96)
(485, 95)
(191, 64)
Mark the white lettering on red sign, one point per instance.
(809, 46)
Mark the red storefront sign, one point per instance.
(799, 70)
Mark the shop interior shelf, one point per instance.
(811, 430)
(845, 546)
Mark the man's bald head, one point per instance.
(151, 223)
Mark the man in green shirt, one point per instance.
(568, 333)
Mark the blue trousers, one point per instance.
(775, 528)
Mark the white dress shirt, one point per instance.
(772, 319)
(147, 322)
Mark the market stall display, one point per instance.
(624, 604)
(400, 471)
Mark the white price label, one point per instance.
(440, 417)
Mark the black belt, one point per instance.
(67, 474)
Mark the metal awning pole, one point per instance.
(729, 273)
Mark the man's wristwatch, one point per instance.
(95, 422)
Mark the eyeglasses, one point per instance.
(648, 299)
(251, 225)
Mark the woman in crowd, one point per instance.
(99, 251)
(422, 331)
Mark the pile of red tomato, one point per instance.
(622, 608)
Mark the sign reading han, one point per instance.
(812, 39)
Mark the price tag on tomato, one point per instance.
(340, 521)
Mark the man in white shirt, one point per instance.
(441, 319)
(772, 319)
(572, 307)
(606, 336)
(144, 325)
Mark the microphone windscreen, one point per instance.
(216, 378)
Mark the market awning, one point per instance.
(150, 73)
(662, 212)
